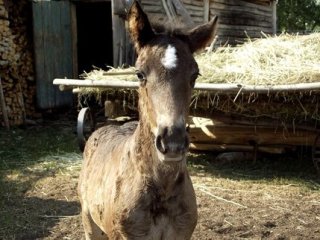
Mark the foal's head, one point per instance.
(167, 72)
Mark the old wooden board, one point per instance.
(209, 134)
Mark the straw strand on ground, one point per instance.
(203, 189)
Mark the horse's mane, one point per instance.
(170, 28)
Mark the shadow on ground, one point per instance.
(296, 166)
(31, 160)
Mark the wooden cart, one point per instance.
(219, 132)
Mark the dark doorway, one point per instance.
(94, 30)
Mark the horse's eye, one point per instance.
(141, 76)
(194, 78)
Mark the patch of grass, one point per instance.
(21, 147)
(26, 157)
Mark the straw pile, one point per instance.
(126, 74)
(125, 99)
(286, 59)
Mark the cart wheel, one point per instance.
(316, 154)
(85, 126)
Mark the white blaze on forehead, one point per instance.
(170, 59)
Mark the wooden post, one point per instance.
(206, 10)
(4, 107)
(274, 16)
(167, 10)
(119, 36)
(183, 12)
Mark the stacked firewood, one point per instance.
(16, 61)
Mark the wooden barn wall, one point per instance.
(237, 18)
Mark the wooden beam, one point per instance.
(215, 87)
(167, 10)
(96, 83)
(274, 17)
(234, 147)
(183, 12)
(119, 37)
(206, 11)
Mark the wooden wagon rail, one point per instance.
(221, 134)
(217, 87)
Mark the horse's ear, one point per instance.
(139, 26)
(201, 36)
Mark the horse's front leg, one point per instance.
(91, 229)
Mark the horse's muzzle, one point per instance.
(172, 143)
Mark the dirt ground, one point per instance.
(271, 199)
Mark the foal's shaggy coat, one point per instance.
(134, 183)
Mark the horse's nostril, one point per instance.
(184, 146)
(186, 143)
(160, 145)
(163, 132)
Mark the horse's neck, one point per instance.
(163, 175)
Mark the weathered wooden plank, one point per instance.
(246, 11)
(241, 18)
(66, 65)
(241, 33)
(151, 3)
(230, 4)
(261, 21)
(38, 37)
(50, 37)
(234, 147)
(194, 8)
(74, 35)
(242, 28)
(193, 2)
(153, 9)
(239, 9)
(215, 132)
(261, 2)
